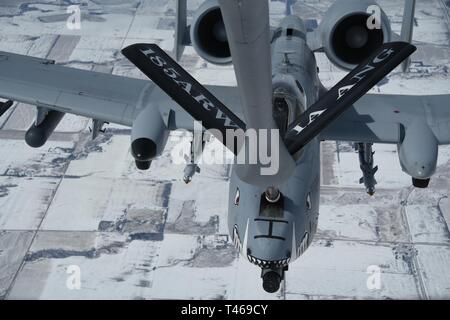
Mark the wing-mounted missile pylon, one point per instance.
(348, 91)
(97, 128)
(197, 145)
(189, 171)
(366, 162)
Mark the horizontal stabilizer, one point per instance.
(201, 104)
(342, 96)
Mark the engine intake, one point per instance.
(208, 34)
(352, 41)
(345, 35)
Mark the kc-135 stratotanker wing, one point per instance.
(272, 218)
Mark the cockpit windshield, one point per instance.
(281, 113)
(287, 107)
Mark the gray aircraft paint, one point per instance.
(248, 31)
(394, 119)
(270, 240)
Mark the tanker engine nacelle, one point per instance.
(149, 136)
(208, 34)
(344, 33)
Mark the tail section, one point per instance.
(408, 28)
(181, 29)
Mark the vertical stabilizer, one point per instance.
(289, 4)
(408, 28)
(181, 29)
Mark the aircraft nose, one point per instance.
(271, 281)
(263, 263)
(269, 251)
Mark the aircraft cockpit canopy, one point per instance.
(287, 106)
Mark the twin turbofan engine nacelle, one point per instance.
(149, 136)
(351, 30)
(208, 34)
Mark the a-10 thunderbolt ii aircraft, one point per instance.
(272, 217)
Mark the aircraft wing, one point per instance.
(101, 96)
(382, 118)
(86, 93)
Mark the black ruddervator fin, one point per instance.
(342, 96)
(201, 104)
(4, 106)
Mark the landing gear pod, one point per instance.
(143, 165)
(38, 135)
(143, 149)
(418, 152)
(149, 136)
(421, 183)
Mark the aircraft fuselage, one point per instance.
(271, 235)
